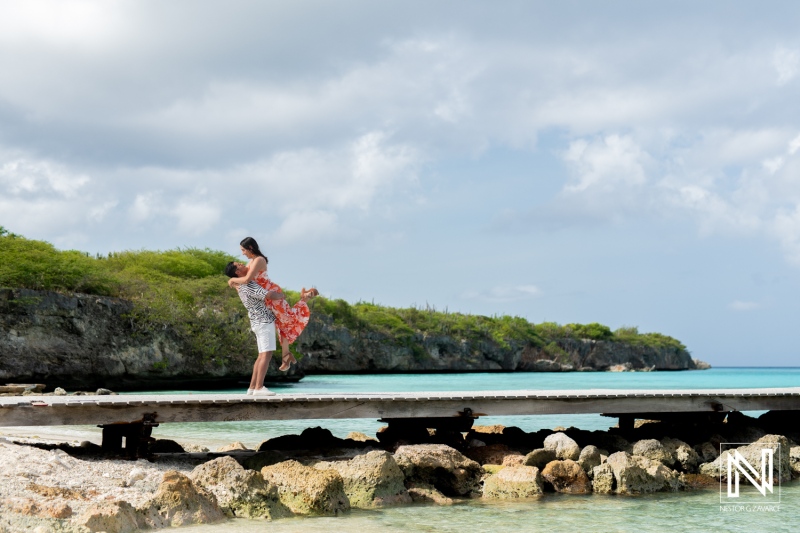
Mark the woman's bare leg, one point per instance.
(260, 370)
(287, 358)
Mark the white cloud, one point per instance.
(39, 217)
(43, 197)
(23, 175)
(606, 163)
(505, 293)
(144, 206)
(313, 190)
(740, 305)
(98, 212)
(54, 22)
(785, 227)
(786, 62)
(794, 145)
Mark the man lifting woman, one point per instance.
(268, 310)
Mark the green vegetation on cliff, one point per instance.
(184, 289)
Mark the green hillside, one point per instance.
(185, 289)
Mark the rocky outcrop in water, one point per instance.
(83, 341)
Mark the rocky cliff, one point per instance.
(329, 348)
(83, 342)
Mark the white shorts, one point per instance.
(265, 336)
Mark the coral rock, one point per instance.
(111, 517)
(539, 458)
(178, 502)
(568, 477)
(238, 491)
(635, 474)
(370, 480)
(306, 490)
(563, 446)
(513, 482)
(441, 466)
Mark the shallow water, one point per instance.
(673, 512)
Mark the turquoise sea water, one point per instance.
(693, 511)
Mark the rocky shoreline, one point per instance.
(71, 488)
(84, 341)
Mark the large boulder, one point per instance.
(603, 480)
(589, 458)
(111, 517)
(685, 457)
(239, 492)
(610, 441)
(370, 480)
(259, 460)
(781, 468)
(513, 482)
(568, 477)
(794, 460)
(316, 438)
(306, 490)
(165, 446)
(441, 466)
(706, 452)
(539, 458)
(563, 446)
(178, 502)
(654, 450)
(635, 474)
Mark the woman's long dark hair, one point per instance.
(250, 244)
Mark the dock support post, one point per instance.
(136, 434)
(447, 430)
(627, 422)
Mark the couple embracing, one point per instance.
(268, 311)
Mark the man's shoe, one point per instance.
(263, 391)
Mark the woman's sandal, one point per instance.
(286, 365)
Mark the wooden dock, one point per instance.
(120, 409)
(128, 420)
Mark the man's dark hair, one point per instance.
(230, 270)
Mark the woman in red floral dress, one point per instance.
(290, 320)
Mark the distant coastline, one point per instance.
(146, 319)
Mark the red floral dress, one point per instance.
(291, 321)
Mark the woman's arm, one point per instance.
(252, 270)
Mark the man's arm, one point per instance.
(258, 291)
(254, 268)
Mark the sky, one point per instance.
(623, 162)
